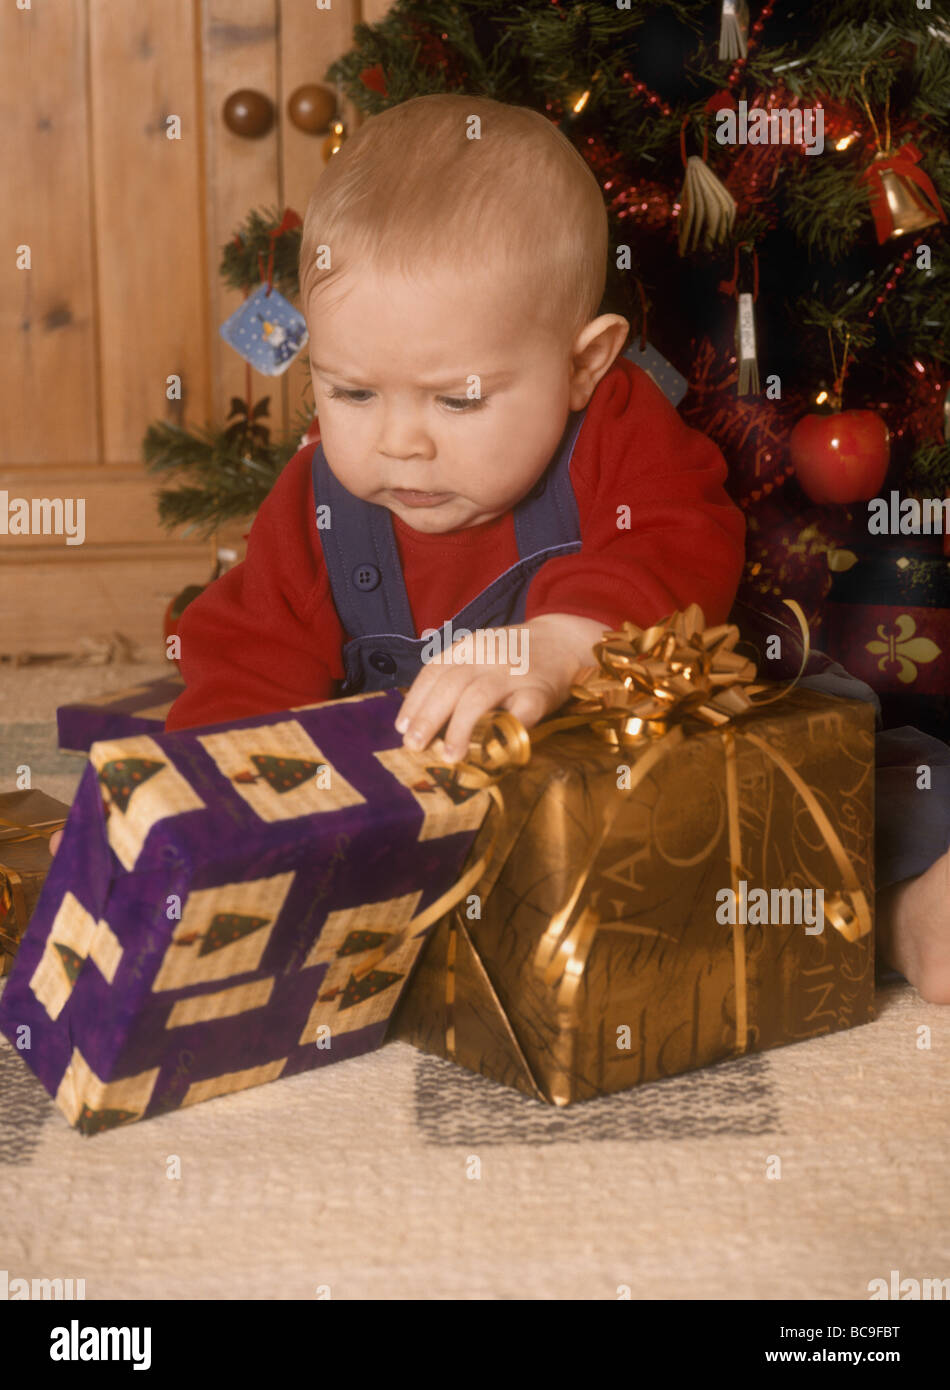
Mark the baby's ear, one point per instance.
(595, 350)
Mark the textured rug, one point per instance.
(805, 1172)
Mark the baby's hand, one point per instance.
(549, 651)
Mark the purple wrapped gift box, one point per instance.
(142, 709)
(231, 904)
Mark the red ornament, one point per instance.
(374, 79)
(841, 457)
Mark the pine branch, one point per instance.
(241, 264)
(226, 479)
(928, 473)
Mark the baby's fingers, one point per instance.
(529, 705)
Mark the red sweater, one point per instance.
(265, 636)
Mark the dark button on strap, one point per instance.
(365, 576)
(382, 661)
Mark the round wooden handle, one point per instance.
(311, 108)
(248, 113)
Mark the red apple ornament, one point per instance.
(842, 456)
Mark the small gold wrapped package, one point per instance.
(624, 934)
(27, 820)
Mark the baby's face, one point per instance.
(393, 364)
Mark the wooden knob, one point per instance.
(248, 113)
(312, 108)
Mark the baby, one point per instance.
(488, 463)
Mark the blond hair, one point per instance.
(411, 190)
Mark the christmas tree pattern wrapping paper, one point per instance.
(232, 904)
(639, 980)
(142, 709)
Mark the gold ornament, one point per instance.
(909, 210)
(903, 197)
(334, 140)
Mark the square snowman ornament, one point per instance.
(267, 331)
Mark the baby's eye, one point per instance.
(462, 404)
(337, 394)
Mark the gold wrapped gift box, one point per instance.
(623, 935)
(27, 820)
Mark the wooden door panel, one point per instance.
(49, 391)
(101, 590)
(125, 228)
(119, 508)
(239, 49)
(149, 205)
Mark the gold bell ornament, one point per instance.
(334, 140)
(903, 197)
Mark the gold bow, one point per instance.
(675, 670)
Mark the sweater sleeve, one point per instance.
(264, 636)
(685, 539)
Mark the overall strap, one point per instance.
(359, 550)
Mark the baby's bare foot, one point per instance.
(54, 840)
(913, 930)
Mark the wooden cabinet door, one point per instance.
(122, 184)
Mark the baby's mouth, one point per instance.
(410, 497)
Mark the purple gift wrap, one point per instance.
(232, 904)
(142, 709)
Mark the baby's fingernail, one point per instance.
(402, 724)
(452, 753)
(414, 739)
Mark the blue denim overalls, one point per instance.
(362, 561)
(359, 549)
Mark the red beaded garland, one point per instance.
(652, 98)
(892, 282)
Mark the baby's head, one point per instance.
(452, 265)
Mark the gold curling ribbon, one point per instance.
(17, 834)
(498, 743)
(450, 989)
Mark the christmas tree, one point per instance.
(775, 186)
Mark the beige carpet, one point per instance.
(398, 1175)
